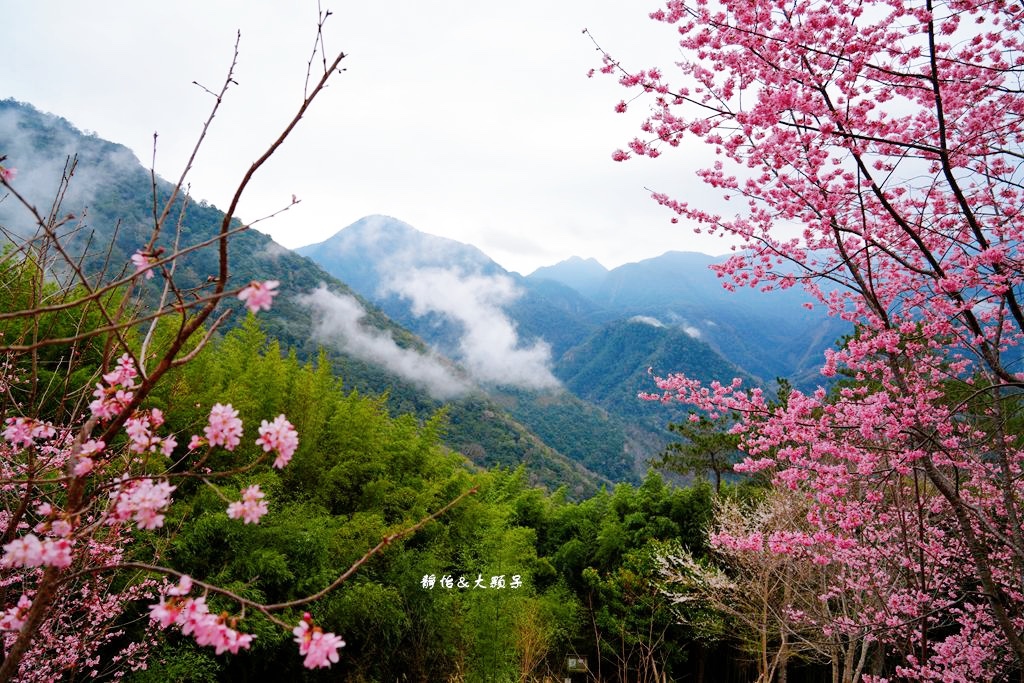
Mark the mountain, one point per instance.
(767, 334)
(110, 199)
(596, 345)
(612, 365)
(384, 259)
(472, 310)
(602, 333)
(584, 275)
(375, 248)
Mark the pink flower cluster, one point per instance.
(13, 618)
(8, 174)
(29, 551)
(224, 428)
(142, 500)
(53, 523)
(194, 617)
(139, 428)
(116, 391)
(23, 431)
(259, 296)
(250, 508)
(84, 464)
(279, 436)
(319, 648)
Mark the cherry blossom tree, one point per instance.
(873, 151)
(85, 471)
(780, 600)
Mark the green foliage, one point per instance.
(604, 549)
(358, 475)
(179, 663)
(489, 437)
(615, 363)
(54, 378)
(707, 446)
(583, 432)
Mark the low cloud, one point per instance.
(40, 147)
(647, 320)
(489, 346)
(676, 321)
(339, 322)
(271, 251)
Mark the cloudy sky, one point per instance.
(467, 119)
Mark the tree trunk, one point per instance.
(702, 658)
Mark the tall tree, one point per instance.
(875, 148)
(707, 446)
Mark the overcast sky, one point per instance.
(468, 119)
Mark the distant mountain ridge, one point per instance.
(765, 335)
(607, 330)
(389, 244)
(768, 334)
(584, 275)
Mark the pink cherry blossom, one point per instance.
(320, 649)
(19, 432)
(141, 500)
(921, 258)
(26, 551)
(195, 619)
(13, 618)
(123, 374)
(83, 466)
(7, 173)
(23, 431)
(29, 551)
(143, 264)
(61, 528)
(167, 445)
(116, 390)
(56, 553)
(279, 436)
(259, 296)
(225, 427)
(165, 613)
(250, 508)
(184, 586)
(139, 429)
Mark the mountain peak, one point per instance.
(398, 241)
(574, 262)
(579, 260)
(583, 275)
(376, 248)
